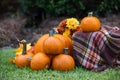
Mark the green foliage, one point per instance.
(38, 10)
(49, 7)
(61, 7)
(9, 71)
(109, 6)
(70, 7)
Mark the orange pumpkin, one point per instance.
(63, 62)
(53, 45)
(90, 23)
(22, 60)
(40, 61)
(39, 44)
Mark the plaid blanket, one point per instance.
(94, 49)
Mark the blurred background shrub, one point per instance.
(38, 10)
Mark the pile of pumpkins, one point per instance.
(51, 50)
(54, 50)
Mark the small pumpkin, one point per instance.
(63, 62)
(90, 23)
(53, 45)
(21, 60)
(40, 61)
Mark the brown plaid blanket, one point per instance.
(95, 49)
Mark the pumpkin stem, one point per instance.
(90, 13)
(24, 46)
(65, 51)
(29, 58)
(51, 32)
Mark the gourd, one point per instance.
(63, 62)
(90, 23)
(22, 60)
(40, 61)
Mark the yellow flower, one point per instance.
(20, 48)
(72, 23)
(67, 32)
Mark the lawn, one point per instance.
(9, 71)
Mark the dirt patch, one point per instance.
(12, 28)
(111, 20)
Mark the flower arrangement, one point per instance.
(68, 26)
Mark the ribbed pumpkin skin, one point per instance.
(40, 61)
(22, 61)
(90, 24)
(53, 45)
(63, 62)
(67, 42)
(39, 44)
(62, 38)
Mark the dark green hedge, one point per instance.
(70, 7)
(41, 9)
(61, 7)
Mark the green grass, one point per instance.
(9, 71)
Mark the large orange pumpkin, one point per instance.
(53, 45)
(90, 23)
(63, 62)
(22, 60)
(40, 61)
